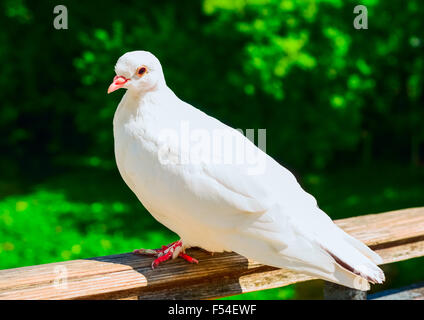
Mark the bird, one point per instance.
(227, 196)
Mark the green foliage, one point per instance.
(308, 54)
(331, 97)
(339, 92)
(70, 217)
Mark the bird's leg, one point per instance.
(172, 250)
(187, 258)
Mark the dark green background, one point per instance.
(343, 109)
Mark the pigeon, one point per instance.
(217, 190)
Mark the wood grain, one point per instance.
(396, 235)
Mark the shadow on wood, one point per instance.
(334, 291)
(177, 279)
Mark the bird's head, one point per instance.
(137, 71)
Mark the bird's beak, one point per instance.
(118, 82)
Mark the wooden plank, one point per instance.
(333, 291)
(412, 292)
(386, 228)
(227, 285)
(396, 235)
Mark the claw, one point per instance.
(187, 258)
(173, 250)
(160, 259)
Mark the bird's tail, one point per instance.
(356, 264)
(356, 275)
(351, 268)
(321, 249)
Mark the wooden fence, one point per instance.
(396, 236)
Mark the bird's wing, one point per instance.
(268, 204)
(283, 227)
(268, 217)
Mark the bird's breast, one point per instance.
(136, 156)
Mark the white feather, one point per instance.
(266, 217)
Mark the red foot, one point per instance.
(165, 253)
(187, 258)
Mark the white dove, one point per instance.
(165, 153)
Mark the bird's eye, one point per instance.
(141, 71)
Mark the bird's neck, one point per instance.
(136, 105)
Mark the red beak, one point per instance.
(118, 82)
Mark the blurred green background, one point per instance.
(343, 109)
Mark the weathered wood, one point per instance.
(334, 291)
(396, 236)
(412, 292)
